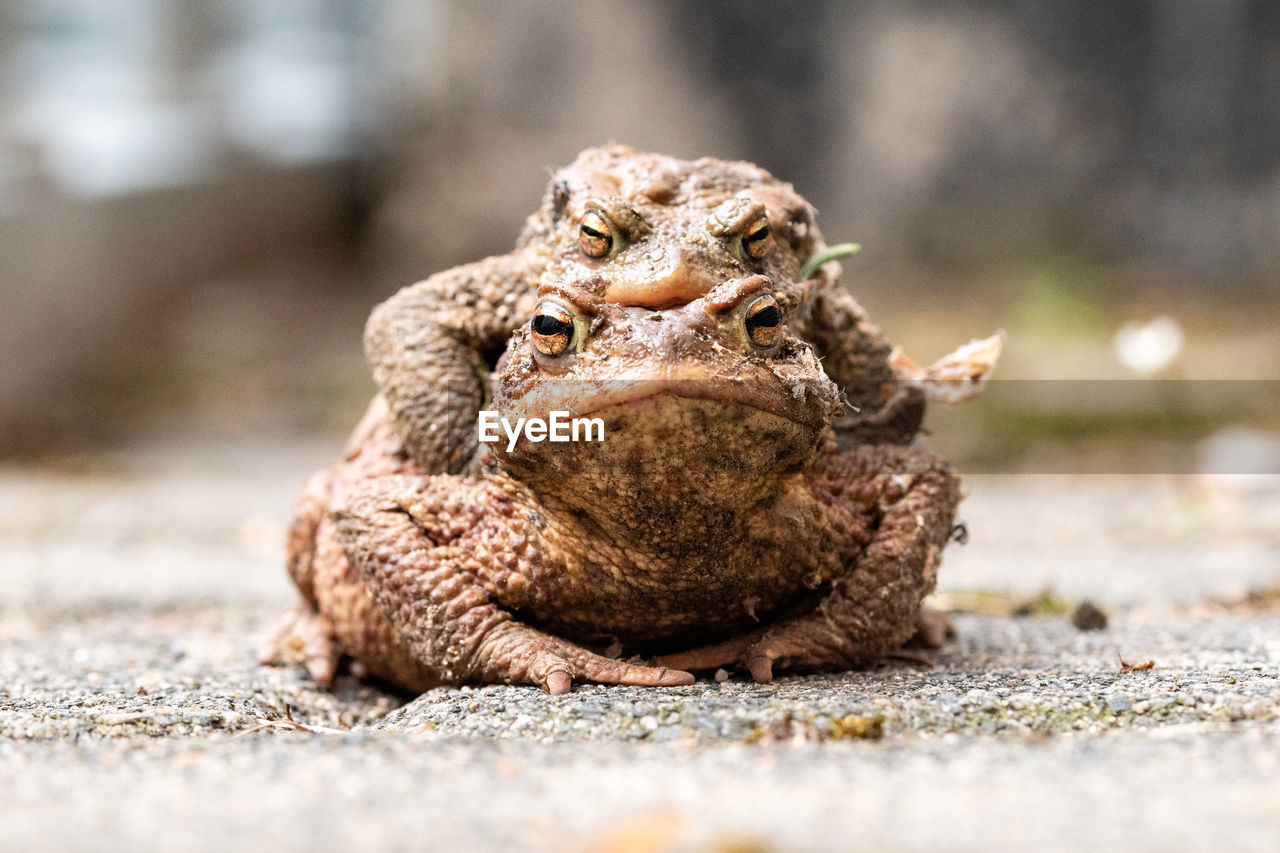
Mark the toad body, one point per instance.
(754, 502)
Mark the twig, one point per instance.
(290, 723)
(1125, 666)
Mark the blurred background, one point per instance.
(200, 202)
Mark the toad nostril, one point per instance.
(677, 277)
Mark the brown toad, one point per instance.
(755, 501)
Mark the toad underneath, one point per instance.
(755, 503)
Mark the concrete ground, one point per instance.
(134, 586)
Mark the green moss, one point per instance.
(1044, 604)
(855, 727)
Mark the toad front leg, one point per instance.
(430, 345)
(421, 544)
(873, 608)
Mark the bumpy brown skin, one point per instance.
(736, 514)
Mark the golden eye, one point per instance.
(756, 240)
(552, 328)
(595, 235)
(763, 321)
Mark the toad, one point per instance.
(754, 499)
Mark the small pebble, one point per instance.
(1088, 616)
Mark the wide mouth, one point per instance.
(799, 401)
(683, 390)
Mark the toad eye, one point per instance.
(756, 240)
(763, 321)
(595, 235)
(553, 329)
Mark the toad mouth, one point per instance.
(795, 404)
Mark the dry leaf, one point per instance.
(1125, 666)
(955, 377)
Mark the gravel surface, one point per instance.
(133, 590)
